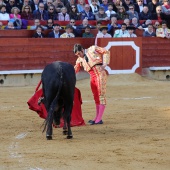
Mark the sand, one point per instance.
(135, 134)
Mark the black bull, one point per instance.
(58, 84)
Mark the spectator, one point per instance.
(102, 34)
(26, 12)
(139, 6)
(76, 31)
(63, 15)
(157, 15)
(104, 5)
(163, 32)
(98, 26)
(156, 25)
(94, 7)
(87, 33)
(36, 23)
(3, 14)
(10, 5)
(40, 13)
(68, 32)
(120, 32)
(51, 12)
(130, 32)
(101, 15)
(58, 5)
(74, 14)
(113, 25)
(122, 14)
(34, 5)
(166, 7)
(145, 25)
(47, 4)
(39, 33)
(69, 4)
(11, 26)
(2, 3)
(87, 14)
(25, 2)
(80, 6)
(145, 14)
(127, 22)
(126, 4)
(135, 22)
(56, 32)
(152, 6)
(50, 24)
(117, 4)
(15, 13)
(132, 13)
(110, 11)
(150, 32)
(85, 22)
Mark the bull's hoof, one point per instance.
(69, 137)
(65, 132)
(49, 137)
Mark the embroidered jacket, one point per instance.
(96, 55)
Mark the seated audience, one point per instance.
(132, 13)
(104, 4)
(117, 4)
(139, 5)
(163, 32)
(113, 25)
(86, 14)
(145, 14)
(166, 7)
(130, 32)
(152, 6)
(80, 5)
(50, 24)
(156, 25)
(127, 22)
(1, 25)
(135, 22)
(126, 4)
(85, 22)
(3, 14)
(63, 15)
(40, 13)
(11, 26)
(87, 33)
(120, 32)
(74, 14)
(94, 6)
(150, 32)
(39, 33)
(76, 31)
(51, 13)
(56, 32)
(58, 4)
(157, 14)
(101, 15)
(98, 26)
(36, 23)
(110, 11)
(27, 13)
(68, 32)
(121, 13)
(15, 13)
(69, 3)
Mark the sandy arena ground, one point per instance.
(135, 134)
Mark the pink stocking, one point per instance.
(100, 114)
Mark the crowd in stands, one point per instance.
(130, 12)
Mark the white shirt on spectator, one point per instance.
(110, 13)
(4, 17)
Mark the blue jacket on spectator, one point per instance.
(89, 16)
(37, 15)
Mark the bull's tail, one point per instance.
(49, 120)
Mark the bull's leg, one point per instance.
(65, 132)
(49, 131)
(69, 136)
